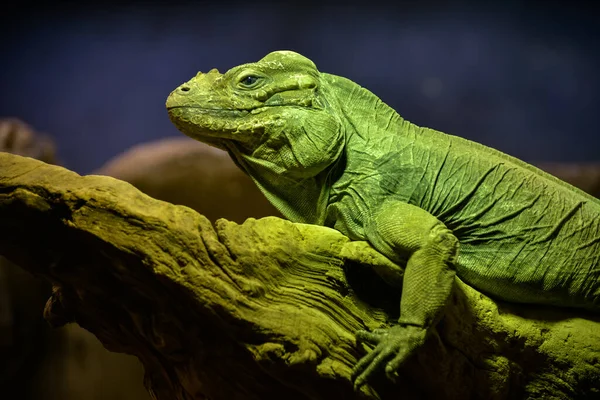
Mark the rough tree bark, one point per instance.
(265, 309)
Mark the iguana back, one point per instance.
(525, 236)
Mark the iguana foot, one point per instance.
(393, 346)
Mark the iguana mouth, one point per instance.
(216, 111)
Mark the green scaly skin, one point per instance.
(326, 151)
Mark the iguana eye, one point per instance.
(249, 81)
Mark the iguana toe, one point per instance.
(393, 347)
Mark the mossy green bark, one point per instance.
(268, 308)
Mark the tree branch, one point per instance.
(265, 309)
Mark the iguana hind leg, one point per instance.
(428, 279)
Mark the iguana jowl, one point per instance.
(326, 151)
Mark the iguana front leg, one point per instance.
(399, 228)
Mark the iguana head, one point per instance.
(273, 110)
(276, 119)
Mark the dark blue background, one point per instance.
(521, 77)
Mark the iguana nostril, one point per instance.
(184, 88)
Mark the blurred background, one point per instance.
(522, 77)
(519, 76)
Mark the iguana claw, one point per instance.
(393, 346)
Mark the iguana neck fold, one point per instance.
(295, 164)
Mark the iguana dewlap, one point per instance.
(326, 151)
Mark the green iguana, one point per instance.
(326, 151)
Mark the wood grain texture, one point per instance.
(267, 308)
